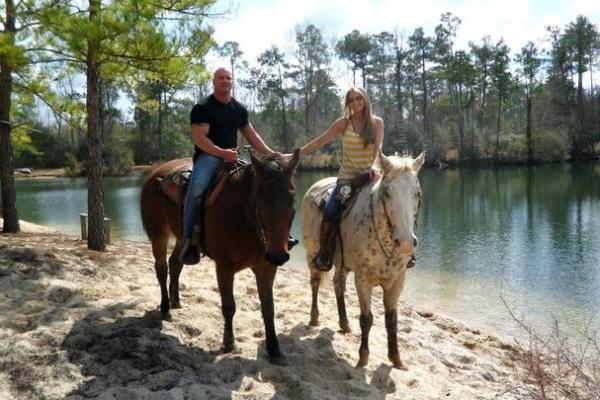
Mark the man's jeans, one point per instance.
(202, 174)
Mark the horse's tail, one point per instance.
(145, 199)
(154, 205)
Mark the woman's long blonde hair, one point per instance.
(368, 134)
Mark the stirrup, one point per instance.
(189, 254)
(326, 264)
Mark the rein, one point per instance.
(258, 227)
(387, 218)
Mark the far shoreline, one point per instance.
(142, 170)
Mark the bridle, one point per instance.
(260, 232)
(256, 222)
(388, 255)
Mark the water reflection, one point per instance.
(528, 236)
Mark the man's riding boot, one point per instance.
(324, 258)
(190, 252)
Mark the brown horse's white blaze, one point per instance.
(378, 240)
(247, 227)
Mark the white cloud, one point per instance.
(262, 23)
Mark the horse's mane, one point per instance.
(273, 167)
(273, 164)
(402, 162)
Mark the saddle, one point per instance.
(347, 193)
(175, 183)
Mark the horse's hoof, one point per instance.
(228, 347)
(345, 327)
(400, 366)
(278, 359)
(166, 316)
(176, 305)
(363, 358)
(397, 363)
(314, 322)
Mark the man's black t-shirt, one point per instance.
(224, 120)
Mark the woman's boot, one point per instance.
(324, 259)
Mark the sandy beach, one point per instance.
(79, 324)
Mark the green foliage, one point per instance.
(551, 145)
(13, 54)
(73, 167)
(23, 145)
(117, 154)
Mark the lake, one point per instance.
(525, 236)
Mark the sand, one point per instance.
(80, 324)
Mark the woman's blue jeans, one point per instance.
(202, 174)
(333, 205)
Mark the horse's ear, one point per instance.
(291, 167)
(386, 164)
(256, 163)
(419, 161)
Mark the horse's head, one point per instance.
(400, 194)
(272, 198)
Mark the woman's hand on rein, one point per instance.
(374, 173)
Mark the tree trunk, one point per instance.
(592, 110)
(96, 237)
(579, 145)
(284, 130)
(159, 124)
(496, 150)
(7, 178)
(426, 126)
(528, 131)
(398, 85)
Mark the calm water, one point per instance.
(529, 237)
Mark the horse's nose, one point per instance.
(406, 246)
(278, 259)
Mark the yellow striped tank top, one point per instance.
(356, 159)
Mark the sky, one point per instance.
(257, 24)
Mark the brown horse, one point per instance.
(247, 227)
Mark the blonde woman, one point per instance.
(362, 136)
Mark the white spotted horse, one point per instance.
(376, 241)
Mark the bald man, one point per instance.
(215, 123)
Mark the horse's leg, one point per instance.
(175, 267)
(339, 282)
(315, 282)
(265, 276)
(363, 289)
(391, 293)
(159, 250)
(225, 281)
